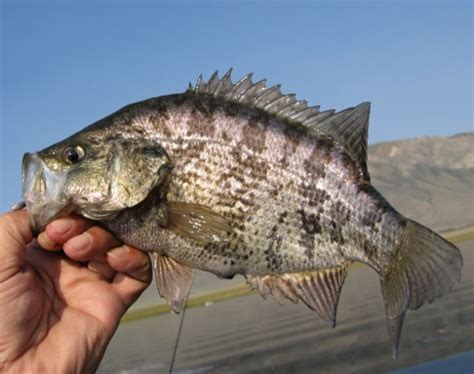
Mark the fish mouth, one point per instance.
(42, 192)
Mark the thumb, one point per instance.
(15, 235)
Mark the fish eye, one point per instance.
(74, 154)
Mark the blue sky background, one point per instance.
(65, 65)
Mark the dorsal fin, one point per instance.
(319, 290)
(348, 128)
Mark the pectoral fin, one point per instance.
(197, 222)
(173, 279)
(319, 290)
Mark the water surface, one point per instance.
(252, 335)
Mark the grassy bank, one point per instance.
(456, 236)
(461, 235)
(199, 300)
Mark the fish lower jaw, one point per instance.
(41, 214)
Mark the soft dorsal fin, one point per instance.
(348, 128)
(319, 290)
(173, 280)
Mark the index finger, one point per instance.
(61, 230)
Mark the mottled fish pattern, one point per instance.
(295, 202)
(286, 187)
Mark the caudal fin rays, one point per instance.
(394, 326)
(426, 268)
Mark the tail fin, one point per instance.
(426, 268)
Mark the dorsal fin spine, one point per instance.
(347, 128)
(199, 84)
(213, 82)
(227, 77)
(253, 91)
(268, 96)
(224, 84)
(283, 103)
(272, 106)
(303, 114)
(306, 113)
(291, 109)
(240, 87)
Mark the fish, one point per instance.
(239, 178)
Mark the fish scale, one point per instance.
(238, 178)
(189, 191)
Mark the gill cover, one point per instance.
(110, 178)
(133, 171)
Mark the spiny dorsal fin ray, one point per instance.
(319, 290)
(348, 128)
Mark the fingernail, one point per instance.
(118, 252)
(45, 242)
(62, 225)
(81, 242)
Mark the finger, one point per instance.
(103, 269)
(45, 242)
(129, 260)
(61, 230)
(90, 244)
(133, 272)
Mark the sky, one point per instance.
(67, 64)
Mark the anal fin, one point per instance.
(319, 290)
(173, 280)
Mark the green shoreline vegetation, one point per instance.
(209, 298)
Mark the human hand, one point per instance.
(59, 309)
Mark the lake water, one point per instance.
(252, 335)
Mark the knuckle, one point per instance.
(102, 238)
(143, 270)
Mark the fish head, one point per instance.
(91, 174)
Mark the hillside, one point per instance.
(429, 179)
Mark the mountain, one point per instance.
(429, 179)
